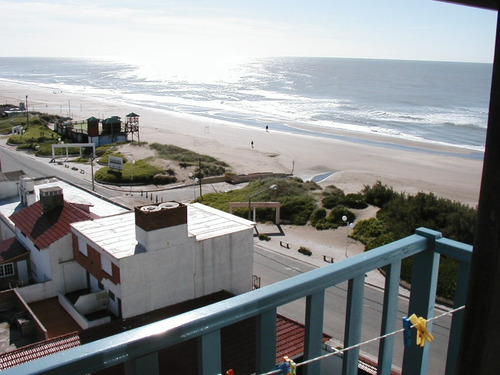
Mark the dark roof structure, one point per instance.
(10, 249)
(11, 176)
(43, 229)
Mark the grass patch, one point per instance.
(295, 196)
(140, 172)
(210, 166)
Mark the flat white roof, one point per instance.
(76, 195)
(116, 234)
(207, 222)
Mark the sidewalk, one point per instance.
(329, 244)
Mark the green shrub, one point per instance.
(338, 212)
(297, 209)
(378, 194)
(355, 201)
(305, 251)
(163, 179)
(333, 196)
(317, 215)
(400, 215)
(264, 237)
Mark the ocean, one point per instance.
(435, 102)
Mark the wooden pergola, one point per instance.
(480, 337)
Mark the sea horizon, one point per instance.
(444, 103)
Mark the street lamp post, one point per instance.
(348, 225)
(272, 187)
(92, 157)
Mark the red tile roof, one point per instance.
(10, 249)
(38, 350)
(46, 228)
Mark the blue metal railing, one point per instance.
(138, 348)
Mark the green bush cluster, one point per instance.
(164, 179)
(400, 215)
(295, 197)
(141, 172)
(304, 250)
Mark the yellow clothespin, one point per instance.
(291, 365)
(423, 333)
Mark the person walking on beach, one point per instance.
(267, 128)
(251, 143)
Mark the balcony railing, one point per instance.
(138, 348)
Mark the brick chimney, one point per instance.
(161, 225)
(51, 198)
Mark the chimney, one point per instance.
(162, 225)
(51, 198)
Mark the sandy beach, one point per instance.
(355, 159)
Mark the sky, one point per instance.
(389, 29)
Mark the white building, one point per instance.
(163, 254)
(129, 263)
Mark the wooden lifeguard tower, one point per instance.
(132, 125)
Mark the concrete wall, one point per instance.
(185, 270)
(7, 228)
(79, 318)
(37, 292)
(225, 263)
(8, 189)
(152, 280)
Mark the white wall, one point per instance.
(37, 292)
(225, 263)
(188, 270)
(157, 279)
(8, 189)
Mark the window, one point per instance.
(106, 265)
(82, 247)
(6, 269)
(111, 295)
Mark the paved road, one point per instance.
(273, 267)
(270, 266)
(12, 160)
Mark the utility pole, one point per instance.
(27, 113)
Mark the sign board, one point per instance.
(115, 162)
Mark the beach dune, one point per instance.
(355, 160)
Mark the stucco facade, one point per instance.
(160, 266)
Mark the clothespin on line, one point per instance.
(288, 367)
(423, 334)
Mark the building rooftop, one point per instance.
(76, 195)
(116, 234)
(10, 249)
(43, 229)
(206, 222)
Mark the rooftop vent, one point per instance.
(168, 205)
(150, 208)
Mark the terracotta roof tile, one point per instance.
(46, 228)
(38, 350)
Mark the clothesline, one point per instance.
(339, 351)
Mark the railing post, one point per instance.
(389, 316)
(422, 299)
(458, 318)
(147, 364)
(315, 305)
(209, 353)
(353, 319)
(265, 341)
